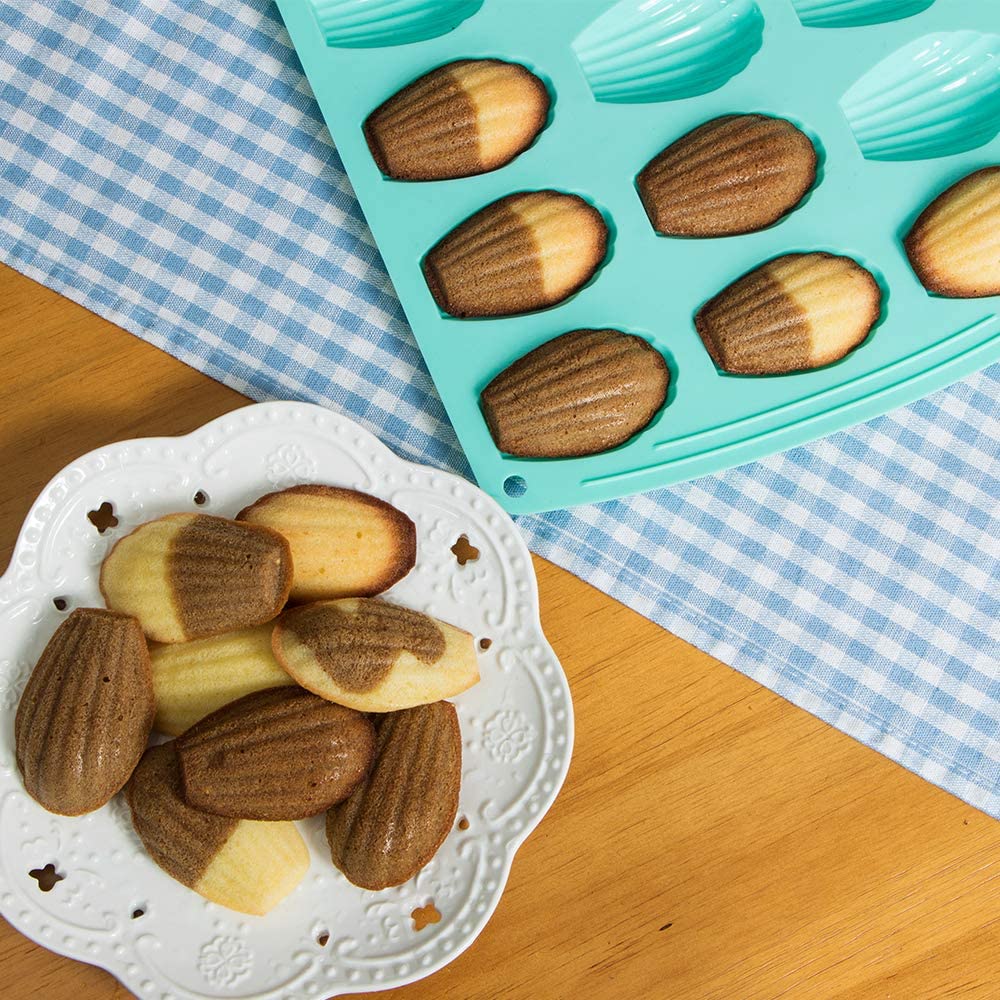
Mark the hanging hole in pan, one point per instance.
(515, 486)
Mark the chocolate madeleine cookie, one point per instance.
(344, 543)
(86, 712)
(581, 393)
(735, 174)
(396, 819)
(276, 754)
(524, 252)
(796, 312)
(192, 679)
(187, 576)
(374, 656)
(954, 246)
(467, 117)
(246, 865)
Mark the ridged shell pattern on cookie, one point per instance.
(363, 24)
(855, 13)
(936, 96)
(642, 51)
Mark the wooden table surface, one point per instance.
(712, 842)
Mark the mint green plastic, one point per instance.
(925, 115)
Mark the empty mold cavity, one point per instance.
(366, 24)
(424, 915)
(936, 96)
(855, 13)
(641, 51)
(464, 551)
(103, 517)
(47, 877)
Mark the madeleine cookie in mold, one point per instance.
(525, 252)
(467, 117)
(344, 543)
(245, 865)
(582, 393)
(794, 313)
(277, 754)
(399, 816)
(954, 246)
(188, 576)
(84, 718)
(374, 656)
(732, 175)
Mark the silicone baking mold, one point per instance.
(901, 98)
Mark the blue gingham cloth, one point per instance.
(163, 163)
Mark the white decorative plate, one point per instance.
(328, 937)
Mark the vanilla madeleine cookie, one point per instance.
(467, 117)
(192, 679)
(524, 252)
(344, 543)
(187, 576)
(796, 312)
(374, 656)
(245, 865)
(954, 246)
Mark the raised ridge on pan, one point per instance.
(363, 24)
(642, 51)
(855, 13)
(936, 96)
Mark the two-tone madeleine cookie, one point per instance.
(467, 117)
(192, 679)
(954, 246)
(374, 656)
(86, 712)
(525, 252)
(796, 312)
(246, 865)
(277, 754)
(581, 393)
(735, 174)
(187, 576)
(344, 543)
(398, 817)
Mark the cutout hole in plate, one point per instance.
(139, 912)
(60, 603)
(485, 643)
(423, 916)
(103, 517)
(463, 823)
(323, 938)
(47, 877)
(200, 498)
(464, 551)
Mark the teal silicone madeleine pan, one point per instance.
(901, 97)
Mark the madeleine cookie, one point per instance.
(372, 655)
(246, 865)
(86, 712)
(524, 252)
(396, 819)
(187, 576)
(581, 393)
(734, 174)
(344, 543)
(276, 754)
(796, 312)
(467, 117)
(192, 679)
(954, 246)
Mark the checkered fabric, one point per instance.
(163, 163)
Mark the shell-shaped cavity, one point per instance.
(954, 246)
(663, 50)
(86, 712)
(276, 754)
(735, 174)
(796, 312)
(855, 13)
(344, 543)
(187, 576)
(581, 393)
(936, 96)
(466, 117)
(398, 817)
(363, 24)
(524, 252)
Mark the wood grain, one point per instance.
(712, 842)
